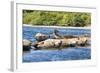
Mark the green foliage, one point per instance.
(54, 18)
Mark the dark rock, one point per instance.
(26, 45)
(41, 37)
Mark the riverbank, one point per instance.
(29, 25)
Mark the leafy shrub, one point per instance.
(77, 19)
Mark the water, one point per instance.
(81, 53)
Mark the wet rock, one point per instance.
(41, 37)
(26, 45)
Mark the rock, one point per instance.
(26, 45)
(41, 37)
(26, 42)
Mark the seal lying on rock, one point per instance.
(59, 36)
(72, 42)
(83, 40)
(49, 43)
(56, 34)
(60, 43)
(55, 43)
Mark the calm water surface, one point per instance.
(81, 53)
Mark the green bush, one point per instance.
(54, 18)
